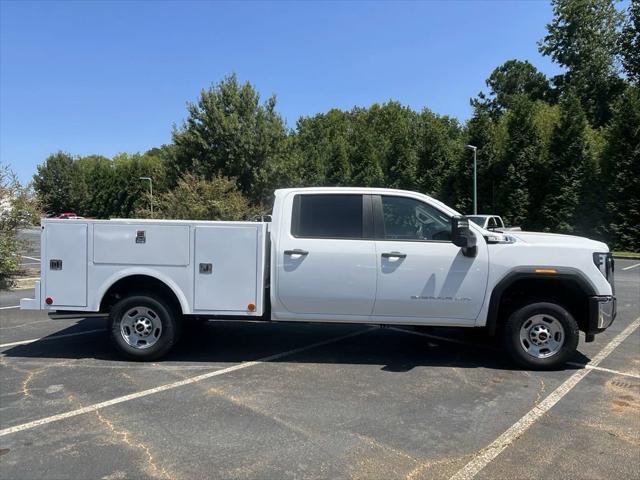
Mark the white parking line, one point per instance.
(30, 258)
(100, 364)
(12, 306)
(22, 325)
(602, 369)
(171, 386)
(491, 451)
(54, 337)
(631, 266)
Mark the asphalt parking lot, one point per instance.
(276, 401)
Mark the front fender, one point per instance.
(529, 272)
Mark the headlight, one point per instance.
(604, 262)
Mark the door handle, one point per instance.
(394, 255)
(296, 251)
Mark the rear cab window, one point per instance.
(338, 216)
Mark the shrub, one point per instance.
(195, 198)
(18, 208)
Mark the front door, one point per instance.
(326, 256)
(421, 274)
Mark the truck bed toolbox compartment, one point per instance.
(65, 264)
(141, 244)
(228, 267)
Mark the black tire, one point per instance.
(541, 314)
(161, 312)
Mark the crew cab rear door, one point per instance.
(421, 273)
(326, 256)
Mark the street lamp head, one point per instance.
(144, 178)
(472, 147)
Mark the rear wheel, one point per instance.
(142, 327)
(541, 335)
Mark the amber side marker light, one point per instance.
(545, 270)
(251, 307)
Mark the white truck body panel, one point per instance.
(234, 253)
(95, 254)
(310, 286)
(115, 243)
(436, 274)
(69, 284)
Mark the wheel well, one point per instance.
(566, 292)
(139, 283)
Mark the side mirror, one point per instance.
(462, 236)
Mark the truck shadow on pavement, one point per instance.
(398, 349)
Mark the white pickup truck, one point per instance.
(349, 255)
(491, 222)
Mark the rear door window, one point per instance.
(327, 216)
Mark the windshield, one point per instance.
(477, 220)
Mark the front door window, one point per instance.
(410, 219)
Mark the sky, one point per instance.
(109, 77)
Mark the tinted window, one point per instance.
(327, 216)
(477, 220)
(409, 219)
(493, 223)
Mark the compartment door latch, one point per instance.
(141, 236)
(206, 268)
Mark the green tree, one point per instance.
(229, 132)
(521, 157)
(96, 180)
(18, 208)
(323, 142)
(195, 198)
(481, 132)
(367, 159)
(397, 130)
(572, 159)
(629, 42)
(57, 183)
(622, 172)
(510, 80)
(129, 192)
(440, 144)
(583, 38)
(9, 247)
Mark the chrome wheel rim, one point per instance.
(542, 336)
(140, 327)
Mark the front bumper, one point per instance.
(602, 313)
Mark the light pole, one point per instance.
(150, 191)
(475, 178)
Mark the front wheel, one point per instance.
(541, 335)
(142, 327)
